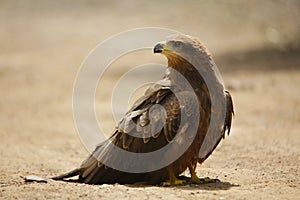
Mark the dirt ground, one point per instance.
(256, 47)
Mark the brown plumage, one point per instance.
(187, 56)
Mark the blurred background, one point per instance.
(256, 45)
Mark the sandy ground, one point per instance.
(256, 49)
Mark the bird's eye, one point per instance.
(177, 44)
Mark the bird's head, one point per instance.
(178, 48)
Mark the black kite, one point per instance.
(182, 53)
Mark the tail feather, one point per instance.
(70, 174)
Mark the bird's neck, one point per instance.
(183, 75)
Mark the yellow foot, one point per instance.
(173, 183)
(196, 180)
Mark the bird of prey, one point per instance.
(170, 111)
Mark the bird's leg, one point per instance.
(173, 180)
(196, 180)
(194, 177)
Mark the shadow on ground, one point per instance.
(218, 185)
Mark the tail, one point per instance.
(70, 174)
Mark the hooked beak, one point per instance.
(158, 48)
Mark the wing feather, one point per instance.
(150, 124)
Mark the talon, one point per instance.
(208, 180)
(196, 180)
(175, 182)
